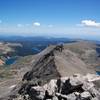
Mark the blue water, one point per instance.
(98, 72)
(13, 59)
(36, 50)
(10, 60)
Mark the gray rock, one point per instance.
(85, 95)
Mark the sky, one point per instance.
(58, 18)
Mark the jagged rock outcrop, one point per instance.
(76, 87)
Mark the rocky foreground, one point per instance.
(76, 87)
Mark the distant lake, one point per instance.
(98, 72)
(36, 50)
(98, 51)
(11, 60)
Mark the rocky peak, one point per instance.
(54, 62)
(44, 67)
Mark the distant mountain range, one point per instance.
(32, 45)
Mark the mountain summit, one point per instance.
(54, 62)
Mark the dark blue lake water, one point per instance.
(11, 60)
(36, 50)
(98, 72)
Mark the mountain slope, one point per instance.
(57, 61)
(7, 50)
(85, 50)
(54, 62)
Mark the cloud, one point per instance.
(0, 21)
(20, 25)
(90, 23)
(36, 24)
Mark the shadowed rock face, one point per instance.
(44, 68)
(45, 64)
